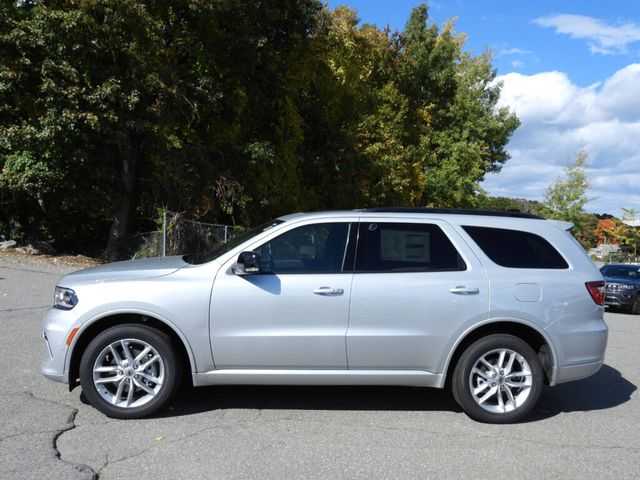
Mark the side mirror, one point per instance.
(247, 263)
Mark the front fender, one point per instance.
(90, 319)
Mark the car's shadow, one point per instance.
(607, 389)
(202, 399)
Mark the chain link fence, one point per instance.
(181, 235)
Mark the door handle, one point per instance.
(328, 291)
(462, 290)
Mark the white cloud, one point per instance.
(537, 98)
(517, 63)
(621, 93)
(602, 38)
(513, 51)
(558, 118)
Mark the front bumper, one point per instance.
(49, 372)
(618, 299)
(56, 327)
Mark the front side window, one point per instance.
(223, 248)
(515, 248)
(405, 247)
(316, 248)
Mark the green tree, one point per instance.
(84, 84)
(373, 155)
(115, 107)
(629, 235)
(566, 197)
(506, 204)
(458, 132)
(231, 111)
(422, 113)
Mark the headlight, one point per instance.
(64, 298)
(628, 287)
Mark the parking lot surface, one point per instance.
(586, 429)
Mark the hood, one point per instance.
(130, 269)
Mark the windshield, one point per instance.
(626, 271)
(197, 259)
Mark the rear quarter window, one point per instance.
(515, 248)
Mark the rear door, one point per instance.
(416, 287)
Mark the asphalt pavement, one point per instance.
(588, 429)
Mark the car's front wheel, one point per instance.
(635, 307)
(498, 379)
(130, 371)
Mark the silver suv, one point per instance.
(496, 305)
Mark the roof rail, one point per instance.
(450, 211)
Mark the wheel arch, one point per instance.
(535, 338)
(111, 319)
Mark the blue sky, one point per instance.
(571, 72)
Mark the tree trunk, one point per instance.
(121, 226)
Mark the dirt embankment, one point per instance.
(78, 261)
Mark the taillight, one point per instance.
(596, 290)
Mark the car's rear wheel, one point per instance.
(130, 371)
(498, 379)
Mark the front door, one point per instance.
(294, 314)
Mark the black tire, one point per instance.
(492, 411)
(161, 364)
(635, 307)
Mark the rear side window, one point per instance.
(515, 248)
(405, 247)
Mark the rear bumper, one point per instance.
(577, 372)
(580, 348)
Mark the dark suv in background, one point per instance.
(623, 286)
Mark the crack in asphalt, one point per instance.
(219, 424)
(104, 465)
(71, 424)
(545, 443)
(31, 270)
(23, 434)
(23, 308)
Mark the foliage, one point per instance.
(232, 111)
(82, 94)
(606, 231)
(628, 234)
(506, 204)
(566, 197)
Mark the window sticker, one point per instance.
(405, 246)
